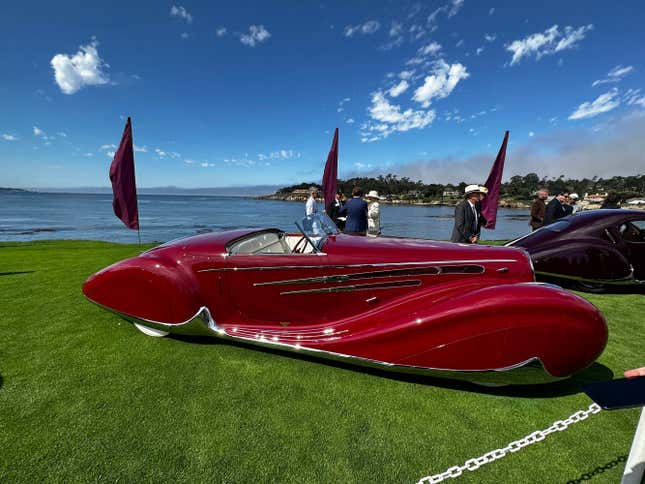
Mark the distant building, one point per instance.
(451, 193)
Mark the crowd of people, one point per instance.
(561, 205)
(361, 215)
(354, 216)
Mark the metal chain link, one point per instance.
(532, 438)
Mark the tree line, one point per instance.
(517, 187)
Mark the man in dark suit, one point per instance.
(356, 211)
(468, 217)
(334, 208)
(538, 209)
(555, 209)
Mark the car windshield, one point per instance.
(316, 228)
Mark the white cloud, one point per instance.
(491, 11)
(184, 35)
(9, 137)
(366, 28)
(460, 43)
(257, 34)
(479, 50)
(455, 7)
(88, 155)
(282, 154)
(431, 49)
(550, 41)
(182, 13)
(531, 134)
(350, 121)
(441, 83)
(389, 118)
(81, 69)
(342, 102)
(395, 29)
(110, 154)
(62, 134)
(140, 149)
(406, 74)
(206, 164)
(614, 75)
(490, 37)
(399, 89)
(39, 132)
(633, 97)
(107, 147)
(221, 31)
(602, 104)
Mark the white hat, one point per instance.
(483, 189)
(574, 196)
(374, 194)
(473, 189)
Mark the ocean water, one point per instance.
(26, 216)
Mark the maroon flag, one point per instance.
(330, 177)
(124, 185)
(489, 204)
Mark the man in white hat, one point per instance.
(468, 217)
(373, 214)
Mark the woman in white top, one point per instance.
(373, 214)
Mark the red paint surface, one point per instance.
(450, 321)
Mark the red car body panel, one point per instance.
(471, 312)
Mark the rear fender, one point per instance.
(493, 328)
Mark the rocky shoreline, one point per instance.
(503, 203)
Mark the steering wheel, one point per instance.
(297, 249)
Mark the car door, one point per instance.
(633, 235)
(259, 287)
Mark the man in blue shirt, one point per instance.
(356, 211)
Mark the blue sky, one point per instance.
(247, 93)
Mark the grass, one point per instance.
(85, 397)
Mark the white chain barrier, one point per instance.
(537, 436)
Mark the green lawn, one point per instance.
(85, 397)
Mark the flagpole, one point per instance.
(134, 174)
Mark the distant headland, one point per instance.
(517, 192)
(11, 190)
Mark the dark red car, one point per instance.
(592, 250)
(465, 312)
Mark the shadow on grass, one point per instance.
(15, 273)
(587, 476)
(569, 386)
(1, 381)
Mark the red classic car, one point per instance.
(593, 250)
(451, 310)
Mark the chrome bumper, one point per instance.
(202, 323)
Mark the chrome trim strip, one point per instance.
(356, 287)
(530, 371)
(342, 266)
(414, 271)
(358, 275)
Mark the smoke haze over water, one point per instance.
(605, 150)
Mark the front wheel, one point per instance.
(156, 333)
